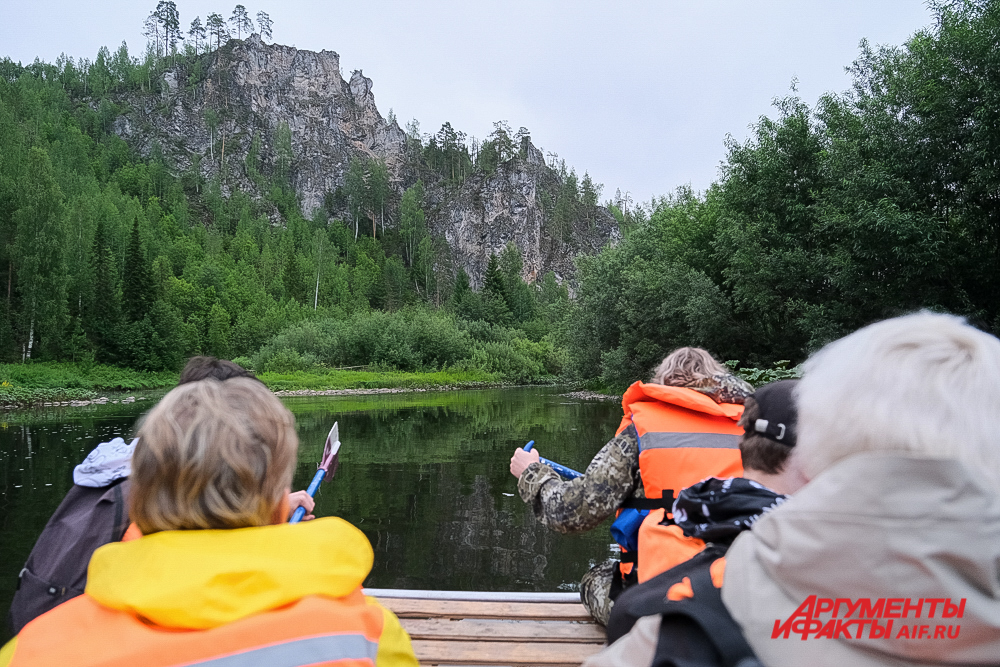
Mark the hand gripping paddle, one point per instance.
(327, 467)
(562, 470)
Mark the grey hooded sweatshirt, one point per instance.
(877, 539)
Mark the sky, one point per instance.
(641, 94)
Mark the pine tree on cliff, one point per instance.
(197, 33)
(240, 20)
(217, 28)
(265, 24)
(168, 17)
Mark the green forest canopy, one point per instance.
(874, 202)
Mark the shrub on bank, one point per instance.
(411, 341)
(408, 341)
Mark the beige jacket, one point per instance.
(876, 527)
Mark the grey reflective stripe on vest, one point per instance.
(299, 652)
(660, 440)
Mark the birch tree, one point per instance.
(39, 255)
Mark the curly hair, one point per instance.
(686, 364)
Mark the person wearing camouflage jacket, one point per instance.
(613, 475)
(583, 503)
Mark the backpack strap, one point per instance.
(696, 629)
(706, 609)
(121, 519)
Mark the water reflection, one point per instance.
(424, 475)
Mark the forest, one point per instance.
(873, 202)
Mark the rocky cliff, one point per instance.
(250, 109)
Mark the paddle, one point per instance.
(327, 467)
(568, 473)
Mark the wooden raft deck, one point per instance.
(504, 629)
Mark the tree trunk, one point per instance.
(31, 339)
(316, 297)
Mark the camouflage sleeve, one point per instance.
(581, 504)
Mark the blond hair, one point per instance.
(686, 364)
(213, 455)
(924, 384)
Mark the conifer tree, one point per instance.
(216, 26)
(493, 278)
(197, 32)
(516, 292)
(104, 313)
(170, 25)
(292, 277)
(138, 284)
(265, 24)
(240, 21)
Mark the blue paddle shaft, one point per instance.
(562, 470)
(300, 511)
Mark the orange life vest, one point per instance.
(684, 437)
(315, 630)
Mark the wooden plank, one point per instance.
(410, 608)
(494, 596)
(430, 652)
(520, 631)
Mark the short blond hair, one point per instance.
(213, 455)
(925, 384)
(686, 364)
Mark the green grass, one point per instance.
(334, 379)
(38, 382)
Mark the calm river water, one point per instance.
(424, 475)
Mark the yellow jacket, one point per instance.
(177, 597)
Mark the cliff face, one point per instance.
(238, 101)
(515, 204)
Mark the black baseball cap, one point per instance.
(778, 415)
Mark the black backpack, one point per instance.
(56, 570)
(696, 631)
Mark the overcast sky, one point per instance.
(640, 94)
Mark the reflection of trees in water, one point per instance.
(426, 484)
(422, 474)
(38, 450)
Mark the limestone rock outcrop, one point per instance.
(249, 110)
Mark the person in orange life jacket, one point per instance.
(677, 617)
(677, 429)
(218, 574)
(95, 512)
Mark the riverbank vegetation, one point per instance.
(68, 381)
(871, 203)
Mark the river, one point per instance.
(424, 475)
